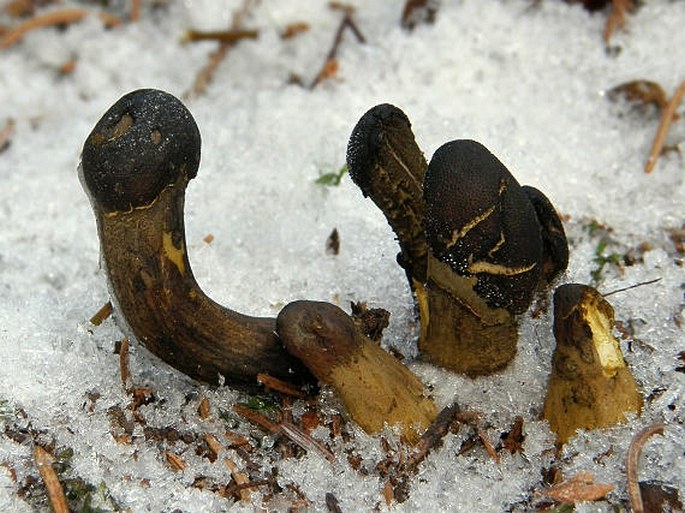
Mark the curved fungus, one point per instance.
(374, 387)
(135, 166)
(474, 243)
(591, 386)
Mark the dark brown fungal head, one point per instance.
(555, 246)
(388, 166)
(144, 143)
(481, 223)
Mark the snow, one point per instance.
(528, 81)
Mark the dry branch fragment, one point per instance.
(44, 462)
(293, 29)
(241, 478)
(203, 408)
(60, 17)
(667, 116)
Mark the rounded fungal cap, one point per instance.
(320, 334)
(366, 138)
(480, 222)
(140, 146)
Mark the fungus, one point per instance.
(135, 166)
(475, 245)
(591, 386)
(374, 387)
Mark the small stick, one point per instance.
(224, 36)
(632, 461)
(103, 313)
(667, 115)
(47, 473)
(123, 363)
(279, 385)
(61, 17)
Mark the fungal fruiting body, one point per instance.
(374, 387)
(475, 244)
(135, 166)
(591, 386)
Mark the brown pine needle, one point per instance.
(278, 385)
(632, 461)
(47, 473)
(667, 116)
(61, 17)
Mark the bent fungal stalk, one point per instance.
(474, 243)
(135, 166)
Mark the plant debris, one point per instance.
(416, 12)
(579, 488)
(667, 116)
(632, 461)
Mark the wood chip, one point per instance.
(175, 461)
(241, 478)
(102, 314)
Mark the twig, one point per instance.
(489, 448)
(667, 115)
(279, 386)
(204, 76)
(330, 65)
(632, 461)
(61, 17)
(433, 436)
(47, 473)
(103, 313)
